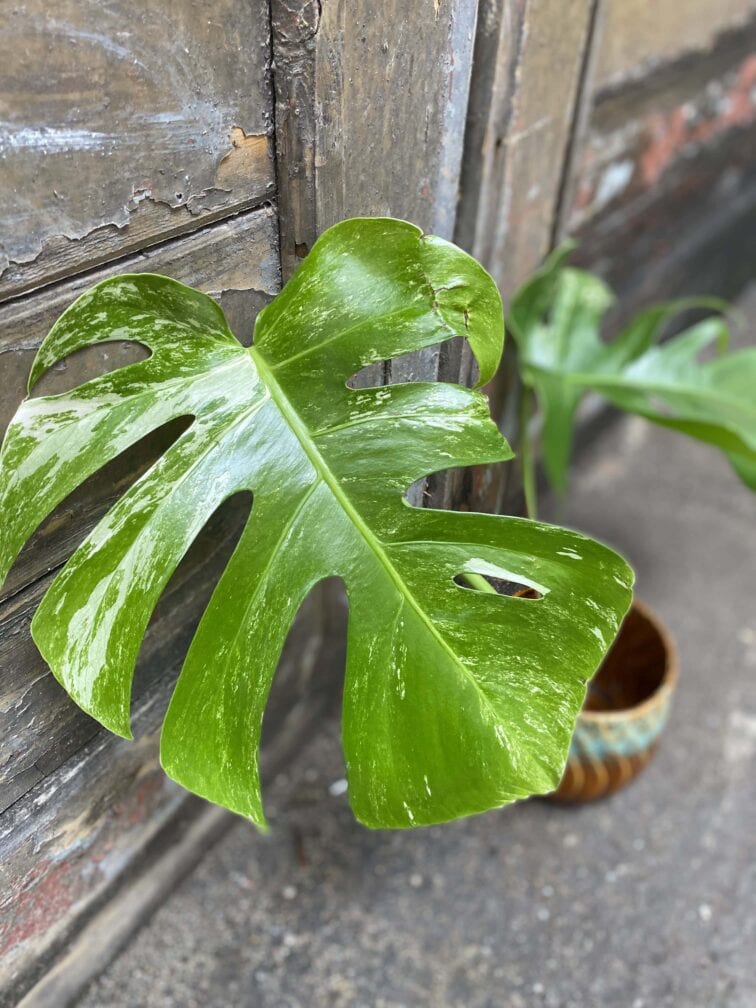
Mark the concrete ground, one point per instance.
(645, 900)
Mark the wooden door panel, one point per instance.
(123, 123)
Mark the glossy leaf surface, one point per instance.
(455, 700)
(556, 318)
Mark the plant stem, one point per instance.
(527, 454)
(479, 582)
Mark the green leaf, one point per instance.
(713, 401)
(556, 319)
(455, 700)
(745, 467)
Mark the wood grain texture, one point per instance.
(63, 846)
(528, 77)
(529, 62)
(370, 109)
(392, 82)
(121, 126)
(497, 54)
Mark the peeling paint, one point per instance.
(143, 215)
(248, 151)
(246, 160)
(113, 127)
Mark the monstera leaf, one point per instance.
(455, 700)
(556, 318)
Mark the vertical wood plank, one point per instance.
(391, 90)
(498, 52)
(584, 100)
(371, 101)
(518, 140)
(530, 58)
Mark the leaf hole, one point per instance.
(87, 363)
(502, 586)
(308, 679)
(370, 376)
(400, 370)
(70, 522)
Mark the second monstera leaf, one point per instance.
(556, 320)
(455, 700)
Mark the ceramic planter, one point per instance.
(625, 710)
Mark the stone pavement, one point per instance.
(646, 900)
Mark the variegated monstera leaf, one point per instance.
(455, 700)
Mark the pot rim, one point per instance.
(669, 676)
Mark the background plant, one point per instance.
(556, 318)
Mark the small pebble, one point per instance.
(339, 787)
(289, 892)
(416, 880)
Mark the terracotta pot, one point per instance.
(625, 710)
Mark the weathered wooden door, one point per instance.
(188, 140)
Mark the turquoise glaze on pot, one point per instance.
(627, 710)
(626, 736)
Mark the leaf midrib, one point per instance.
(598, 381)
(704, 392)
(302, 434)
